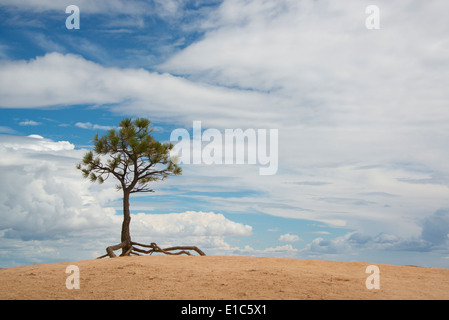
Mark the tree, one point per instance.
(132, 156)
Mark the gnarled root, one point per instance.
(131, 248)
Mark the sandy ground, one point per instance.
(218, 277)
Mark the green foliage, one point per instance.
(131, 155)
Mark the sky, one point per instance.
(361, 114)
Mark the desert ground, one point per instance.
(161, 277)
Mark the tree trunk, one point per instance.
(126, 236)
(128, 247)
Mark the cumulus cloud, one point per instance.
(47, 206)
(289, 238)
(188, 224)
(33, 143)
(42, 196)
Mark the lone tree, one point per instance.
(132, 156)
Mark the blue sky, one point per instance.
(362, 117)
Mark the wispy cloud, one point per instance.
(90, 126)
(30, 123)
(4, 129)
(71, 79)
(97, 7)
(45, 42)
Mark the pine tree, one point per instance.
(132, 156)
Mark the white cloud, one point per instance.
(57, 79)
(44, 42)
(88, 125)
(100, 127)
(168, 8)
(317, 91)
(123, 10)
(280, 251)
(362, 114)
(43, 196)
(289, 238)
(285, 248)
(32, 143)
(83, 125)
(433, 237)
(36, 136)
(4, 129)
(45, 204)
(188, 224)
(29, 123)
(320, 246)
(99, 7)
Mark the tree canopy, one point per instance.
(131, 155)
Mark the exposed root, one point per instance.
(130, 248)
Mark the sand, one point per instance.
(161, 277)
